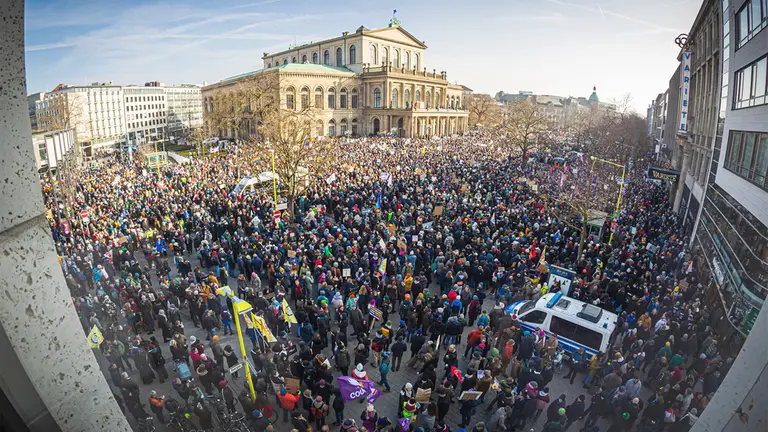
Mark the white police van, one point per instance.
(576, 324)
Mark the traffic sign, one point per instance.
(84, 216)
(277, 216)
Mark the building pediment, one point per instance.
(396, 34)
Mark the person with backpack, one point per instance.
(226, 321)
(338, 407)
(377, 346)
(319, 411)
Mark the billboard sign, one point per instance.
(685, 84)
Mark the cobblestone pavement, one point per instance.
(386, 405)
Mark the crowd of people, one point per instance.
(406, 258)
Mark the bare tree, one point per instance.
(483, 109)
(523, 126)
(299, 159)
(64, 111)
(240, 107)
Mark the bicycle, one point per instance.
(146, 424)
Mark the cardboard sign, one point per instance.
(346, 272)
(375, 312)
(401, 245)
(292, 385)
(392, 230)
(235, 368)
(423, 395)
(438, 211)
(291, 254)
(470, 395)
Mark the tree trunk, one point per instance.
(291, 207)
(582, 241)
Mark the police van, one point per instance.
(576, 324)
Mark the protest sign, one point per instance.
(375, 312)
(423, 395)
(470, 395)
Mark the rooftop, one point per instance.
(292, 67)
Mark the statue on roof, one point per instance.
(593, 96)
(394, 22)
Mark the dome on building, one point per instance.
(593, 96)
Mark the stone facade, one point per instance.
(364, 83)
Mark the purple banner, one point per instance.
(353, 389)
(404, 423)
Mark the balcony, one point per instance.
(402, 71)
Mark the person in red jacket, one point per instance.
(473, 338)
(288, 403)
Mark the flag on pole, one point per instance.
(95, 338)
(262, 327)
(405, 423)
(378, 201)
(383, 266)
(288, 313)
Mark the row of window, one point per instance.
(751, 85)
(750, 19)
(747, 156)
(405, 61)
(342, 128)
(144, 124)
(145, 107)
(145, 98)
(290, 99)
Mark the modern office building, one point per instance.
(184, 111)
(732, 233)
(145, 113)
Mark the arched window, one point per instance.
(332, 128)
(269, 65)
(319, 98)
(384, 56)
(406, 60)
(339, 57)
(290, 98)
(304, 98)
(304, 59)
(343, 127)
(407, 98)
(354, 127)
(377, 98)
(373, 55)
(397, 58)
(327, 58)
(394, 97)
(417, 61)
(417, 99)
(427, 99)
(354, 99)
(293, 59)
(352, 55)
(285, 61)
(437, 100)
(314, 58)
(343, 98)
(331, 98)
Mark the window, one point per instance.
(331, 128)
(416, 61)
(576, 333)
(535, 317)
(304, 59)
(407, 98)
(354, 99)
(747, 156)
(417, 99)
(377, 98)
(354, 127)
(290, 99)
(384, 56)
(343, 99)
(304, 98)
(314, 58)
(352, 55)
(372, 60)
(331, 98)
(751, 85)
(327, 58)
(406, 60)
(285, 61)
(319, 98)
(437, 100)
(750, 20)
(397, 58)
(343, 128)
(394, 97)
(339, 57)
(428, 101)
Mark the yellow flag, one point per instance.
(261, 326)
(95, 338)
(288, 313)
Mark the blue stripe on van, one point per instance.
(564, 343)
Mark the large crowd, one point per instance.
(437, 237)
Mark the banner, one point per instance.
(405, 423)
(288, 313)
(685, 85)
(352, 389)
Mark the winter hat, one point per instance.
(561, 411)
(256, 413)
(223, 383)
(318, 401)
(370, 408)
(359, 367)
(283, 391)
(201, 370)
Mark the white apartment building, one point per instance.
(145, 114)
(185, 109)
(95, 112)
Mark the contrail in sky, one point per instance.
(601, 11)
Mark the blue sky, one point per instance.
(560, 47)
